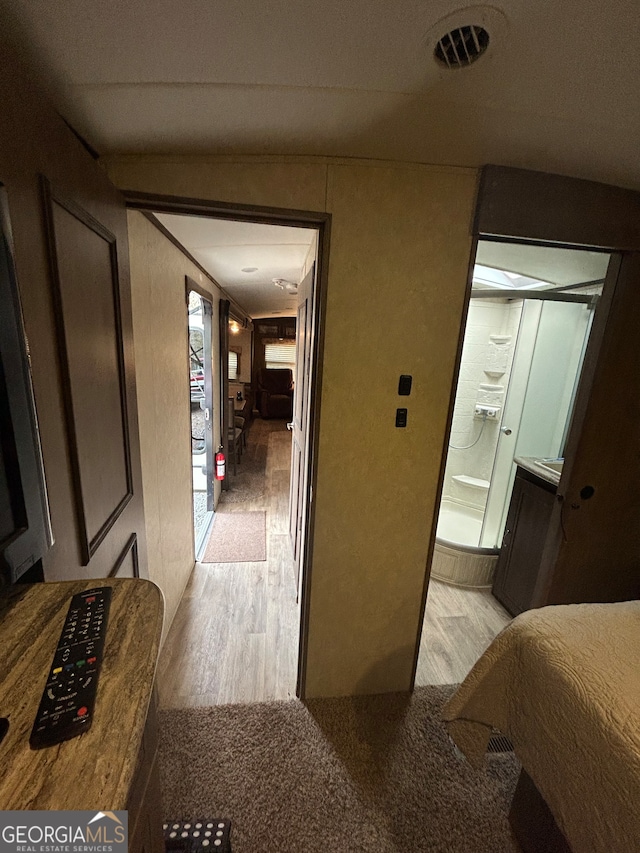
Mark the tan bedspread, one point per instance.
(564, 684)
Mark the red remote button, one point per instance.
(91, 660)
(91, 599)
(82, 712)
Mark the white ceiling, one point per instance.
(224, 247)
(557, 90)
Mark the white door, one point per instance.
(300, 423)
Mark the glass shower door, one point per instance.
(546, 366)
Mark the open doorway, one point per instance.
(245, 598)
(199, 318)
(530, 314)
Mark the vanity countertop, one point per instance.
(529, 464)
(96, 769)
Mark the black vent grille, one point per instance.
(499, 743)
(462, 46)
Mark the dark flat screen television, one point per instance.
(25, 530)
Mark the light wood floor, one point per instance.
(458, 626)
(235, 635)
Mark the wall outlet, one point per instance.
(492, 413)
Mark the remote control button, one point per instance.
(82, 712)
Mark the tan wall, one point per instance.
(400, 243)
(158, 271)
(242, 341)
(35, 141)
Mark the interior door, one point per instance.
(592, 548)
(300, 423)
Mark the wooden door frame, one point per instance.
(321, 222)
(537, 208)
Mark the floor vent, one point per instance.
(499, 743)
(461, 46)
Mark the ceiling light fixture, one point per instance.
(284, 284)
(249, 269)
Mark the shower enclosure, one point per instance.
(519, 371)
(546, 369)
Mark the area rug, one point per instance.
(375, 774)
(237, 537)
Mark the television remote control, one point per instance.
(66, 707)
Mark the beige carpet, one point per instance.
(358, 775)
(237, 537)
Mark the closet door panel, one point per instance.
(84, 263)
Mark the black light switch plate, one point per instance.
(404, 385)
(401, 417)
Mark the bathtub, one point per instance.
(457, 557)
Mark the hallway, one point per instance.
(235, 634)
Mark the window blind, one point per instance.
(233, 365)
(282, 354)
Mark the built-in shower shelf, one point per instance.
(473, 482)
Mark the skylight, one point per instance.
(502, 280)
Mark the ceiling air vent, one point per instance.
(462, 46)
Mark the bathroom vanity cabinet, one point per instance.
(524, 537)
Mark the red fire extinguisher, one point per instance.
(221, 464)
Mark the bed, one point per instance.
(563, 683)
